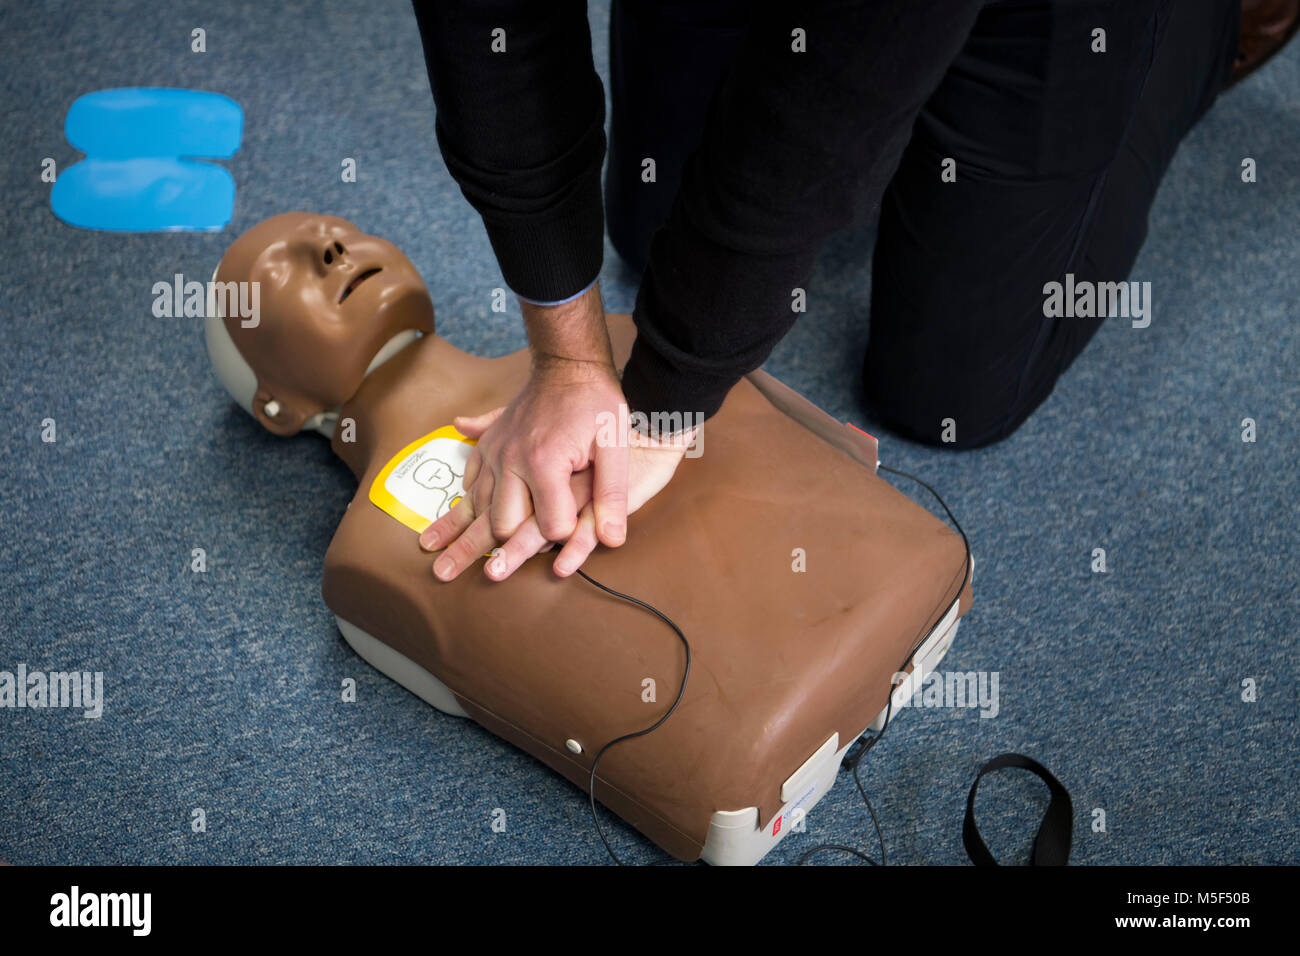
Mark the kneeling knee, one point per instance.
(957, 427)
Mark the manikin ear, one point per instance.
(280, 416)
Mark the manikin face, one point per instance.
(331, 296)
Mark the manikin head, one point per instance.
(334, 303)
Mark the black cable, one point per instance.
(870, 809)
(681, 691)
(867, 743)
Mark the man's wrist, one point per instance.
(560, 370)
(571, 337)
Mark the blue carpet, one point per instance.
(222, 689)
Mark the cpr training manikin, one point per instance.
(801, 579)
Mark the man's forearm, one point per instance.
(571, 337)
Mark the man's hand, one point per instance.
(651, 466)
(528, 452)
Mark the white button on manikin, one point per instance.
(573, 746)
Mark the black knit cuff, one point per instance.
(654, 386)
(552, 259)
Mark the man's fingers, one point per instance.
(554, 505)
(609, 494)
(525, 543)
(473, 426)
(473, 465)
(579, 547)
(465, 550)
(580, 487)
(449, 527)
(511, 505)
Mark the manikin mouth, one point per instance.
(361, 277)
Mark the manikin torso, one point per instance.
(800, 578)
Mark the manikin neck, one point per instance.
(323, 423)
(420, 390)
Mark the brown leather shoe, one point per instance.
(1266, 26)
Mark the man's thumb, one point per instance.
(473, 426)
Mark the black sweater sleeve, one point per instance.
(797, 145)
(521, 126)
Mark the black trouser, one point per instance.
(1058, 153)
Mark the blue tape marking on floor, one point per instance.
(153, 194)
(135, 177)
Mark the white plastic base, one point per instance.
(402, 669)
(735, 838)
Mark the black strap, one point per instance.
(1052, 844)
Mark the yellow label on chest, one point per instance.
(422, 482)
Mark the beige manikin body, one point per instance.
(801, 579)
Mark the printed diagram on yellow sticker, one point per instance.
(423, 481)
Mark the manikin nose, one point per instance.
(333, 250)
